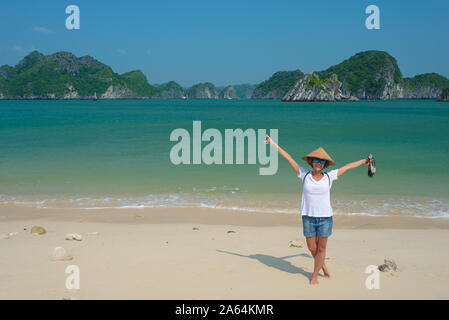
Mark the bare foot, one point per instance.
(326, 272)
(314, 280)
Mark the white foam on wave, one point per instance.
(361, 214)
(429, 208)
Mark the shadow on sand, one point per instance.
(275, 262)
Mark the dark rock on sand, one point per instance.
(389, 265)
(38, 230)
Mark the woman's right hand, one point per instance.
(287, 157)
(268, 141)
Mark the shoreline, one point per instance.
(422, 207)
(209, 216)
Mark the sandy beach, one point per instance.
(188, 253)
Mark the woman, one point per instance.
(316, 210)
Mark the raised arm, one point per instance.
(351, 165)
(283, 153)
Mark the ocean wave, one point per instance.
(425, 208)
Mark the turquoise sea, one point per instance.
(115, 153)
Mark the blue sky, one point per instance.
(228, 42)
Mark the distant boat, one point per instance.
(95, 98)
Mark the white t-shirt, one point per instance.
(315, 200)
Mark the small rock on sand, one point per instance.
(231, 231)
(383, 268)
(4, 237)
(195, 228)
(295, 243)
(73, 236)
(60, 254)
(38, 230)
(389, 264)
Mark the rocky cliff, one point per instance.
(244, 91)
(376, 75)
(64, 76)
(170, 90)
(134, 84)
(204, 90)
(278, 85)
(312, 88)
(444, 95)
(228, 93)
(423, 86)
(368, 75)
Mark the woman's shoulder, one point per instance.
(332, 174)
(303, 172)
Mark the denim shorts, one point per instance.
(317, 226)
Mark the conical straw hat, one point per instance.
(319, 153)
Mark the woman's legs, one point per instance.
(325, 271)
(313, 228)
(317, 247)
(312, 244)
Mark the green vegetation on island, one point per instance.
(312, 80)
(425, 80)
(63, 75)
(228, 93)
(171, 90)
(278, 85)
(366, 75)
(366, 71)
(444, 95)
(137, 83)
(244, 91)
(205, 90)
